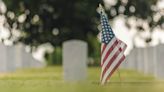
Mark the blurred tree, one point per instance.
(54, 21)
(143, 11)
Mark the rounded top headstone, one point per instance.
(74, 60)
(74, 42)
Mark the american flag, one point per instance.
(112, 49)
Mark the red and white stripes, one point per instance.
(112, 54)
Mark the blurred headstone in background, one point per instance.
(145, 60)
(132, 60)
(3, 63)
(75, 60)
(151, 60)
(7, 60)
(35, 63)
(10, 58)
(160, 61)
(124, 64)
(25, 59)
(140, 59)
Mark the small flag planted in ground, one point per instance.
(112, 49)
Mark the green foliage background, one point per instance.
(73, 19)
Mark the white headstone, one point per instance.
(132, 60)
(3, 64)
(10, 59)
(145, 63)
(7, 59)
(35, 63)
(25, 59)
(140, 60)
(75, 60)
(160, 61)
(22, 57)
(151, 62)
(124, 64)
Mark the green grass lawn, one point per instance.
(50, 79)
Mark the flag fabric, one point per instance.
(112, 49)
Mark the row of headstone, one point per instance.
(148, 60)
(25, 60)
(14, 57)
(74, 59)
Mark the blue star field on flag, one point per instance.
(107, 33)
